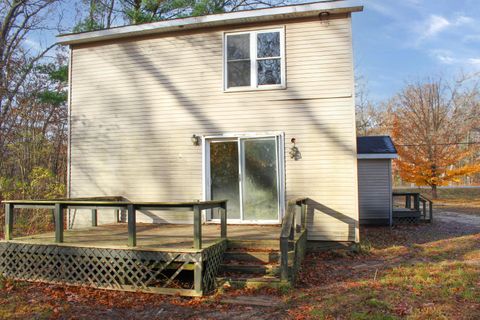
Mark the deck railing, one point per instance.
(415, 201)
(288, 231)
(116, 203)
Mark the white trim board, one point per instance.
(280, 142)
(221, 19)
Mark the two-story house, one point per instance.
(256, 107)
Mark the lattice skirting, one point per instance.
(406, 220)
(120, 269)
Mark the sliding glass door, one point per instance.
(246, 171)
(259, 179)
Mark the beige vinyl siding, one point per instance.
(375, 190)
(135, 104)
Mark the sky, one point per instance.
(396, 41)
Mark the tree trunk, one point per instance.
(434, 192)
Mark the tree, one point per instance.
(431, 124)
(101, 14)
(371, 118)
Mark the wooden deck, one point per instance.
(157, 258)
(153, 237)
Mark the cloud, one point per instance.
(444, 56)
(436, 24)
(474, 61)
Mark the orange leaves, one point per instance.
(430, 132)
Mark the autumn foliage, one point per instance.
(434, 132)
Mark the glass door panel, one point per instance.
(224, 176)
(259, 179)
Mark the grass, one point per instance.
(406, 279)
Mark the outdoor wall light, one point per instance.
(294, 152)
(195, 140)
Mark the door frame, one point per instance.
(236, 136)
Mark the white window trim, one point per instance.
(253, 57)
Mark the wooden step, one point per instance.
(250, 269)
(259, 257)
(406, 213)
(254, 283)
(257, 245)
(252, 256)
(263, 245)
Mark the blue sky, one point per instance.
(395, 41)
(406, 40)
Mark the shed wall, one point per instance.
(375, 191)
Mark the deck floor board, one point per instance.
(153, 236)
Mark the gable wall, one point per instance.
(136, 103)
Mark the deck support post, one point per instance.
(197, 227)
(8, 221)
(197, 278)
(94, 218)
(430, 210)
(59, 222)
(283, 259)
(223, 221)
(132, 226)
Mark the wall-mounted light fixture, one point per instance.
(195, 140)
(294, 152)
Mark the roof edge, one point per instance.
(377, 156)
(221, 19)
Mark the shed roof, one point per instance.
(221, 19)
(376, 147)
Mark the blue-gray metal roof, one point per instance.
(375, 145)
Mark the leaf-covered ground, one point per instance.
(409, 272)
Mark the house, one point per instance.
(375, 154)
(256, 107)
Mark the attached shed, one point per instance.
(375, 154)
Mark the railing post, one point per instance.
(94, 218)
(197, 227)
(430, 209)
(303, 216)
(59, 222)
(132, 226)
(407, 201)
(9, 221)
(416, 199)
(424, 210)
(223, 221)
(283, 259)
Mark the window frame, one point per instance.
(254, 86)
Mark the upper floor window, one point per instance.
(254, 60)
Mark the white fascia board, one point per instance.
(377, 156)
(239, 17)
